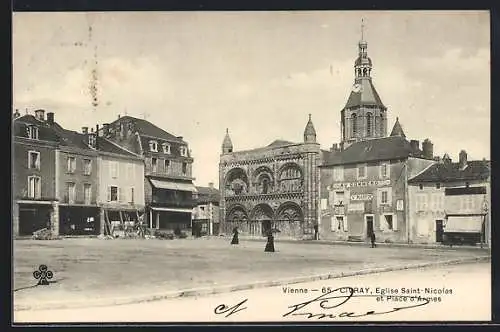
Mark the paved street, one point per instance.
(469, 284)
(87, 271)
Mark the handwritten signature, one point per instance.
(338, 297)
(330, 300)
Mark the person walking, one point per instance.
(372, 239)
(235, 239)
(270, 241)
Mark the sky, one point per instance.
(259, 74)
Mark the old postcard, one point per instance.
(272, 166)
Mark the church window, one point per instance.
(364, 71)
(354, 125)
(381, 125)
(369, 123)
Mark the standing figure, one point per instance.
(270, 242)
(235, 239)
(372, 239)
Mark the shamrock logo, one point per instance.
(43, 274)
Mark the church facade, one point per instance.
(275, 187)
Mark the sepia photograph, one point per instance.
(251, 167)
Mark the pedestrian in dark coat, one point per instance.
(372, 239)
(235, 239)
(270, 242)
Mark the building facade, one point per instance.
(121, 187)
(364, 180)
(168, 180)
(274, 187)
(60, 178)
(77, 182)
(206, 219)
(35, 205)
(451, 202)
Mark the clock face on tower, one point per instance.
(356, 87)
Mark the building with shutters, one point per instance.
(71, 183)
(364, 179)
(168, 180)
(451, 202)
(35, 205)
(272, 187)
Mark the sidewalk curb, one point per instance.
(231, 288)
(363, 243)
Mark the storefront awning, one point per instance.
(463, 224)
(172, 209)
(172, 185)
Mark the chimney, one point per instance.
(16, 114)
(85, 130)
(415, 145)
(40, 115)
(334, 148)
(446, 159)
(50, 118)
(97, 130)
(462, 160)
(211, 185)
(437, 158)
(105, 129)
(118, 116)
(428, 149)
(180, 137)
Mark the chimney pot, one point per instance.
(462, 159)
(40, 115)
(85, 130)
(50, 117)
(211, 185)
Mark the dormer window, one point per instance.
(153, 146)
(32, 132)
(166, 148)
(183, 151)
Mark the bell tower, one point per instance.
(364, 116)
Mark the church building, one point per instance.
(364, 179)
(275, 187)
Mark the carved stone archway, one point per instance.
(290, 219)
(236, 182)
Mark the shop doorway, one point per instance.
(439, 231)
(369, 220)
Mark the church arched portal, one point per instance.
(236, 216)
(261, 220)
(290, 220)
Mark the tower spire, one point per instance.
(362, 28)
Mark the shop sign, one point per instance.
(339, 210)
(361, 197)
(373, 183)
(356, 207)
